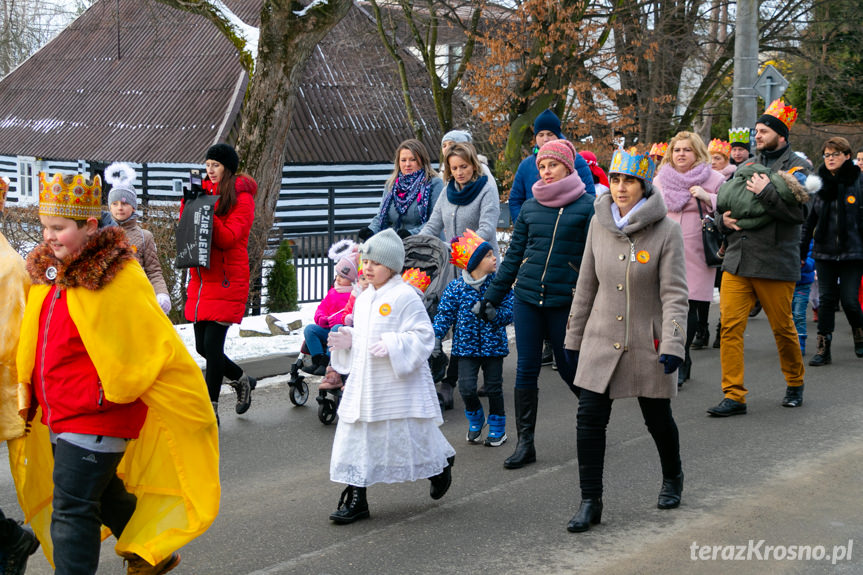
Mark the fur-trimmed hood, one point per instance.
(94, 266)
(801, 191)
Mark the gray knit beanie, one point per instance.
(123, 193)
(457, 136)
(386, 248)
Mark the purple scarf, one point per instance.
(407, 189)
(560, 193)
(675, 186)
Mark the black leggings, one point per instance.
(697, 317)
(210, 344)
(594, 410)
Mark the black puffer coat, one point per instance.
(544, 255)
(836, 217)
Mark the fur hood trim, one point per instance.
(93, 267)
(800, 193)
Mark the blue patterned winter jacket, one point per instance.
(472, 337)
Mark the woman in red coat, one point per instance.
(216, 296)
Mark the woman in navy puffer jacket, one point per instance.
(541, 266)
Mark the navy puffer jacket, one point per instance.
(544, 255)
(472, 337)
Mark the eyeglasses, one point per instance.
(833, 155)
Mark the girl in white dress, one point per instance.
(389, 416)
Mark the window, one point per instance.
(28, 180)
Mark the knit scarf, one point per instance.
(831, 232)
(468, 192)
(560, 193)
(407, 189)
(675, 186)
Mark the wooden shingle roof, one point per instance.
(164, 85)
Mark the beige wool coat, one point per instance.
(630, 302)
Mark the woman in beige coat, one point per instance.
(627, 322)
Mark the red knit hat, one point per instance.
(592, 163)
(561, 150)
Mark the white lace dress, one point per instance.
(389, 417)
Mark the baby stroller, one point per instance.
(329, 396)
(432, 256)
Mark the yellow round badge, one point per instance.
(385, 309)
(643, 256)
(851, 199)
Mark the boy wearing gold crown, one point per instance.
(477, 343)
(739, 140)
(763, 264)
(131, 437)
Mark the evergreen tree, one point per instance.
(282, 281)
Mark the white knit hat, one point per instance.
(386, 248)
(121, 176)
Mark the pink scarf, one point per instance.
(560, 193)
(675, 186)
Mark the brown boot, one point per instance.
(136, 565)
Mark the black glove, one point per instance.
(572, 358)
(403, 233)
(484, 310)
(365, 233)
(189, 194)
(672, 362)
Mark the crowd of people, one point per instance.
(608, 270)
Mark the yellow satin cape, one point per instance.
(173, 466)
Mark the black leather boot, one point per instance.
(822, 352)
(525, 423)
(669, 494)
(793, 396)
(702, 337)
(440, 483)
(589, 513)
(716, 340)
(858, 341)
(352, 506)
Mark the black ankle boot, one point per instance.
(702, 337)
(857, 332)
(525, 423)
(352, 506)
(589, 513)
(440, 483)
(669, 495)
(716, 340)
(822, 352)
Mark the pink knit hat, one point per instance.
(561, 150)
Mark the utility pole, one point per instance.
(744, 106)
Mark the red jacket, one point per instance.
(67, 385)
(220, 292)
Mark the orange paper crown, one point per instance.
(718, 146)
(78, 200)
(463, 247)
(658, 149)
(417, 278)
(784, 113)
(4, 189)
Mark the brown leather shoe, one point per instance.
(136, 565)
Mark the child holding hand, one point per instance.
(389, 417)
(477, 343)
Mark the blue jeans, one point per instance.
(533, 325)
(799, 305)
(492, 374)
(316, 338)
(87, 494)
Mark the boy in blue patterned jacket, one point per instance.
(476, 343)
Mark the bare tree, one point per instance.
(26, 25)
(275, 57)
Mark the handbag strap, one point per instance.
(700, 213)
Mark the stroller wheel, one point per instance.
(326, 411)
(300, 393)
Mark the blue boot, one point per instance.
(496, 430)
(476, 421)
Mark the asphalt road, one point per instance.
(789, 477)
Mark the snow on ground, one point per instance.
(239, 348)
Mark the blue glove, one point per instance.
(572, 358)
(672, 362)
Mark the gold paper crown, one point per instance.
(658, 149)
(718, 146)
(738, 136)
(4, 189)
(417, 278)
(463, 248)
(784, 113)
(74, 197)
